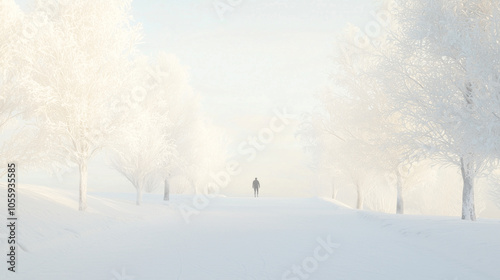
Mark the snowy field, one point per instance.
(241, 239)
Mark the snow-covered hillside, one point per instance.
(241, 239)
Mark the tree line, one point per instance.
(74, 84)
(425, 89)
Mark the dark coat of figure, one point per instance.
(256, 186)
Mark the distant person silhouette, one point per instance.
(256, 186)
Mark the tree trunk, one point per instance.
(359, 204)
(399, 188)
(139, 195)
(166, 194)
(83, 186)
(468, 209)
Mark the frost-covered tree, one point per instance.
(10, 21)
(356, 130)
(23, 142)
(200, 147)
(186, 133)
(146, 144)
(75, 64)
(142, 148)
(166, 135)
(320, 149)
(339, 147)
(431, 83)
(207, 159)
(178, 108)
(442, 78)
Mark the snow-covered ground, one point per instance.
(240, 239)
